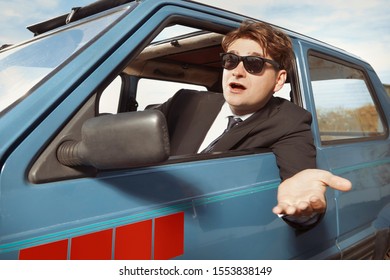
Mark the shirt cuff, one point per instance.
(303, 222)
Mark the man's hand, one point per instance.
(304, 193)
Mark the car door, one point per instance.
(351, 124)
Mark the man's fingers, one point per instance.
(309, 176)
(284, 208)
(277, 210)
(338, 183)
(304, 193)
(280, 209)
(291, 210)
(317, 204)
(304, 208)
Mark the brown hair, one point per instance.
(274, 42)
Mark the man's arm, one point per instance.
(293, 143)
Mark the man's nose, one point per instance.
(239, 70)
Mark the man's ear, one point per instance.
(281, 77)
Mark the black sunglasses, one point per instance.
(252, 64)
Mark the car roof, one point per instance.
(78, 13)
(75, 14)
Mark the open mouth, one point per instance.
(236, 86)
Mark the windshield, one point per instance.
(24, 66)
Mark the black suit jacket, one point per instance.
(282, 126)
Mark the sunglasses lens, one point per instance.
(253, 64)
(230, 61)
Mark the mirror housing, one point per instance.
(119, 141)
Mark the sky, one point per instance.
(359, 27)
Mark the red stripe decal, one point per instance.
(93, 246)
(169, 236)
(52, 251)
(134, 241)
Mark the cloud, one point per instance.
(16, 15)
(359, 27)
(25, 10)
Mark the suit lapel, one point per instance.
(253, 123)
(195, 121)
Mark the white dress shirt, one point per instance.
(219, 125)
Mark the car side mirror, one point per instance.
(119, 141)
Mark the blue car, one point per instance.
(85, 168)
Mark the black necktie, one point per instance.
(232, 122)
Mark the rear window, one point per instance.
(345, 107)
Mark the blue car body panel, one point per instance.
(221, 215)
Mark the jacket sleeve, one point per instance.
(295, 149)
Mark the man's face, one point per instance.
(247, 93)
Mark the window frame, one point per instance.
(71, 129)
(370, 88)
(293, 83)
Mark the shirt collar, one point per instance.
(226, 111)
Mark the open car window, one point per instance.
(179, 57)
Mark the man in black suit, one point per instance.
(256, 61)
(280, 126)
